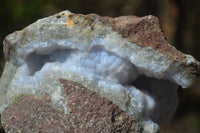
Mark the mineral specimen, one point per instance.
(87, 73)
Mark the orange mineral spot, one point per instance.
(70, 22)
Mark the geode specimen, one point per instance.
(87, 73)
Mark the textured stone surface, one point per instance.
(144, 31)
(125, 59)
(88, 112)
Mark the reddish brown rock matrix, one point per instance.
(88, 113)
(143, 31)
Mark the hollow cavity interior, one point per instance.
(101, 63)
(158, 97)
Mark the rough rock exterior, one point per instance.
(88, 113)
(143, 31)
(87, 73)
